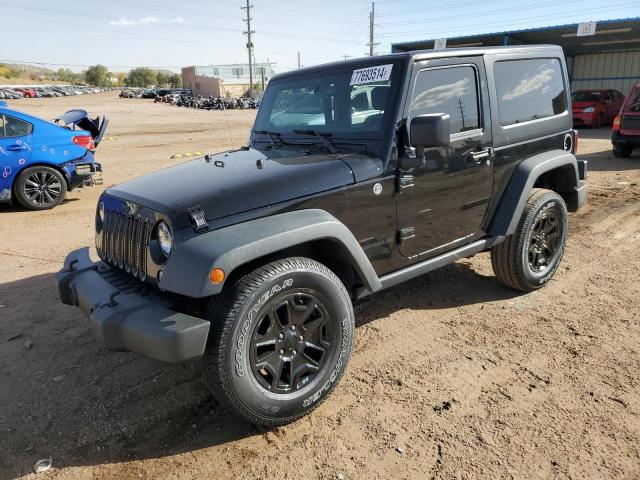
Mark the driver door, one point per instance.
(442, 203)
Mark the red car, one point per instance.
(594, 108)
(626, 126)
(27, 92)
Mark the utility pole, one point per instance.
(299, 62)
(462, 114)
(372, 16)
(345, 56)
(248, 33)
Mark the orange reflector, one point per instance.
(616, 123)
(216, 275)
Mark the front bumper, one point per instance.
(580, 118)
(124, 314)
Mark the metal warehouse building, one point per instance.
(607, 58)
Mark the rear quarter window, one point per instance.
(529, 89)
(12, 127)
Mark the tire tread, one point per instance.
(224, 312)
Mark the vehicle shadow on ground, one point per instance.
(453, 286)
(605, 161)
(64, 397)
(15, 206)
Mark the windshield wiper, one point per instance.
(324, 138)
(274, 137)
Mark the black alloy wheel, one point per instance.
(290, 342)
(40, 188)
(281, 338)
(528, 258)
(544, 241)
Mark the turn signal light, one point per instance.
(216, 275)
(616, 123)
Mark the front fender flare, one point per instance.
(522, 181)
(187, 270)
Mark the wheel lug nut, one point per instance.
(281, 352)
(293, 327)
(280, 336)
(293, 352)
(300, 338)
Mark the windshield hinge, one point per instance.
(405, 234)
(404, 181)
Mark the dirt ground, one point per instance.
(453, 376)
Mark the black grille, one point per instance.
(125, 241)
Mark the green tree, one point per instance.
(176, 80)
(98, 75)
(162, 79)
(141, 77)
(65, 75)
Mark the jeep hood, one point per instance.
(243, 180)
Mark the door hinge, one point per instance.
(405, 234)
(404, 181)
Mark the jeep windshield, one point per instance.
(346, 101)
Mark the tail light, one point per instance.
(576, 137)
(616, 123)
(85, 141)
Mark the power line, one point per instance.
(485, 12)
(428, 10)
(509, 22)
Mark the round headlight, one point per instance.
(588, 110)
(165, 238)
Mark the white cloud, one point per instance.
(436, 96)
(540, 81)
(131, 22)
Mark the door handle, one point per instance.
(481, 155)
(16, 148)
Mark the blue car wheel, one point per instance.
(40, 188)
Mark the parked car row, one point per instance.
(40, 91)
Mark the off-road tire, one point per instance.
(509, 259)
(25, 181)
(622, 152)
(236, 316)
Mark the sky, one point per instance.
(123, 34)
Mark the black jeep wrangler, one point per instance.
(359, 175)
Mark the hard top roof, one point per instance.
(419, 55)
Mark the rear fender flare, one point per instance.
(523, 179)
(187, 270)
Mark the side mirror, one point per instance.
(430, 130)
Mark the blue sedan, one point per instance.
(41, 160)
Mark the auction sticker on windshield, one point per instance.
(380, 73)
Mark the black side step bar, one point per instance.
(413, 271)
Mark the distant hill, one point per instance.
(29, 69)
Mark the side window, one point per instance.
(452, 90)
(529, 89)
(12, 127)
